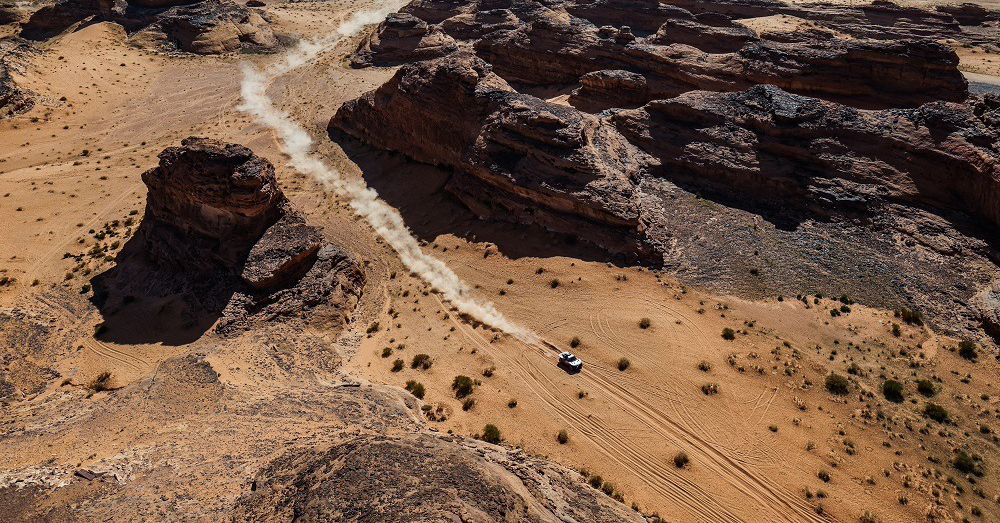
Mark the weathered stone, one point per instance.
(204, 27)
(402, 38)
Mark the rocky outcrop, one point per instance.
(830, 158)
(403, 38)
(208, 204)
(422, 478)
(928, 173)
(204, 27)
(864, 73)
(723, 36)
(516, 157)
(10, 14)
(218, 231)
(14, 99)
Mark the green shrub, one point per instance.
(936, 412)
(421, 361)
(397, 365)
(893, 391)
(966, 464)
(595, 481)
(728, 334)
(373, 328)
(926, 388)
(386, 352)
(681, 459)
(562, 437)
(967, 350)
(416, 388)
(910, 316)
(463, 386)
(837, 384)
(491, 434)
(468, 404)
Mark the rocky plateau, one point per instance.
(821, 149)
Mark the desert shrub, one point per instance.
(595, 481)
(966, 464)
(868, 517)
(511, 403)
(645, 323)
(468, 404)
(967, 350)
(728, 334)
(463, 386)
(488, 372)
(386, 352)
(421, 361)
(681, 459)
(491, 434)
(608, 488)
(936, 412)
(895, 330)
(704, 366)
(893, 391)
(772, 428)
(397, 365)
(710, 388)
(416, 388)
(837, 384)
(575, 342)
(101, 382)
(910, 316)
(562, 436)
(554, 283)
(373, 328)
(623, 363)
(823, 475)
(926, 388)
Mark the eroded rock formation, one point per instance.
(204, 27)
(699, 105)
(215, 218)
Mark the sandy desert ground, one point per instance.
(771, 445)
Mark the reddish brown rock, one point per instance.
(726, 37)
(203, 27)
(516, 157)
(219, 234)
(865, 73)
(209, 202)
(402, 38)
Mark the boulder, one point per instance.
(402, 38)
